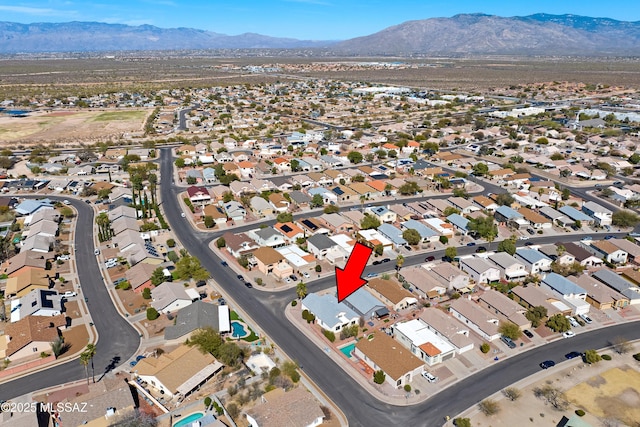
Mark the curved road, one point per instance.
(117, 339)
(360, 408)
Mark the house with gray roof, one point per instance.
(459, 222)
(31, 206)
(599, 213)
(234, 210)
(510, 268)
(556, 217)
(169, 297)
(506, 214)
(383, 214)
(564, 286)
(209, 176)
(198, 315)
(534, 261)
(576, 215)
(299, 198)
(426, 234)
(620, 284)
(322, 247)
(393, 233)
(480, 270)
(330, 314)
(328, 197)
(267, 236)
(260, 206)
(365, 304)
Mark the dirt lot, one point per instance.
(609, 392)
(44, 127)
(132, 301)
(76, 338)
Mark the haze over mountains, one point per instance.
(539, 34)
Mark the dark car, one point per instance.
(248, 285)
(609, 237)
(547, 364)
(386, 260)
(224, 264)
(293, 277)
(200, 283)
(508, 341)
(239, 276)
(481, 249)
(377, 262)
(528, 333)
(531, 231)
(573, 355)
(471, 244)
(430, 258)
(88, 201)
(528, 244)
(222, 301)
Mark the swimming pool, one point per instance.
(238, 330)
(191, 418)
(347, 349)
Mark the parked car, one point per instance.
(69, 294)
(528, 333)
(140, 357)
(66, 202)
(608, 237)
(523, 238)
(224, 264)
(63, 257)
(376, 262)
(287, 280)
(574, 322)
(239, 276)
(293, 277)
(96, 252)
(586, 318)
(481, 249)
(531, 231)
(118, 281)
(508, 341)
(430, 258)
(306, 275)
(370, 275)
(569, 334)
(248, 285)
(528, 244)
(573, 355)
(471, 244)
(547, 364)
(183, 215)
(200, 283)
(387, 259)
(221, 301)
(429, 377)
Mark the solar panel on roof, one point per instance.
(286, 228)
(309, 224)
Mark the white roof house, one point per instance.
(423, 342)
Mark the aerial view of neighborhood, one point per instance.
(436, 224)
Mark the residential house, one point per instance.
(25, 260)
(382, 352)
(463, 205)
(510, 217)
(417, 337)
(139, 276)
(38, 302)
(632, 250)
(238, 244)
(443, 324)
(599, 295)
(300, 199)
(441, 227)
(169, 297)
(322, 247)
(599, 213)
(572, 294)
(556, 217)
(480, 270)
(328, 197)
(620, 284)
(278, 202)
(199, 315)
(365, 305)
(337, 224)
(460, 223)
(421, 282)
(37, 243)
(312, 226)
(30, 336)
(267, 236)
(31, 206)
(260, 206)
(271, 262)
(557, 253)
(209, 176)
(534, 296)
(280, 408)
(505, 308)
(26, 280)
(331, 315)
(607, 250)
(290, 231)
(124, 223)
(393, 233)
(452, 277)
(121, 211)
(198, 195)
(581, 255)
(481, 321)
(427, 235)
(534, 261)
(536, 221)
(235, 211)
(179, 372)
(344, 194)
(438, 206)
(216, 213)
(510, 268)
(575, 215)
(485, 203)
(391, 293)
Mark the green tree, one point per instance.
(207, 339)
(399, 262)
(378, 377)
(152, 313)
(510, 330)
(378, 249)
(295, 165)
(317, 201)
(331, 209)
(451, 252)
(559, 323)
(301, 290)
(592, 356)
(483, 227)
(369, 222)
(536, 314)
(625, 218)
(90, 350)
(179, 162)
(409, 188)
(189, 267)
(411, 236)
(57, 345)
(443, 239)
(634, 158)
(508, 246)
(462, 422)
(450, 210)
(284, 217)
(480, 169)
(355, 157)
(208, 221)
(485, 347)
(85, 359)
(146, 293)
(504, 199)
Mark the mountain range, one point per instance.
(465, 34)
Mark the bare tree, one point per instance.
(552, 395)
(621, 345)
(489, 407)
(512, 393)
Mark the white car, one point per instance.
(183, 215)
(66, 202)
(63, 258)
(70, 294)
(569, 334)
(427, 376)
(287, 280)
(306, 275)
(574, 323)
(523, 238)
(585, 318)
(96, 252)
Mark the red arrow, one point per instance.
(348, 279)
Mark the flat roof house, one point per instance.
(199, 315)
(365, 305)
(425, 344)
(444, 324)
(382, 352)
(269, 261)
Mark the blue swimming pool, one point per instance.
(347, 349)
(238, 330)
(191, 418)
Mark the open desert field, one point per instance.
(67, 126)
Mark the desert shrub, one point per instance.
(462, 422)
(330, 335)
(407, 388)
(379, 377)
(294, 303)
(580, 412)
(637, 356)
(606, 357)
(152, 313)
(485, 348)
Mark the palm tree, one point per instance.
(84, 361)
(301, 290)
(387, 189)
(57, 346)
(91, 351)
(104, 232)
(399, 264)
(560, 249)
(362, 199)
(153, 182)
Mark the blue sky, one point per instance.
(301, 19)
